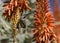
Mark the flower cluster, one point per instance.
(44, 22)
(13, 4)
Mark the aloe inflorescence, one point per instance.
(44, 23)
(13, 12)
